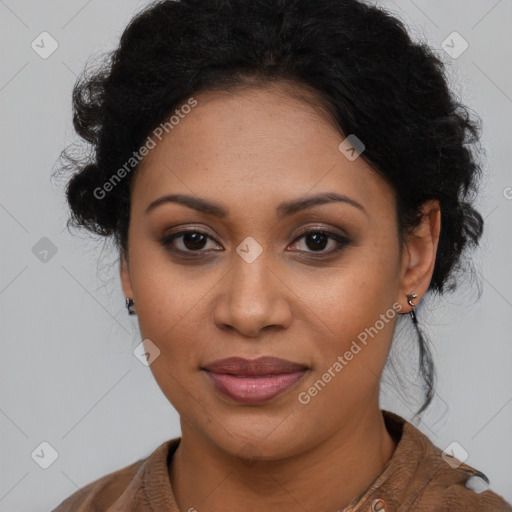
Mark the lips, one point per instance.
(253, 367)
(254, 381)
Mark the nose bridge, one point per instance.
(250, 265)
(251, 297)
(252, 282)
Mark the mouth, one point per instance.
(254, 381)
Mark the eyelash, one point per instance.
(166, 242)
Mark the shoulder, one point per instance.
(451, 486)
(123, 486)
(468, 500)
(101, 493)
(457, 486)
(447, 484)
(423, 478)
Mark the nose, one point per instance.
(252, 297)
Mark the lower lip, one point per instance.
(254, 390)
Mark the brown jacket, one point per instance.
(416, 478)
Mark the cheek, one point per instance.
(176, 368)
(167, 294)
(348, 369)
(167, 312)
(356, 312)
(352, 296)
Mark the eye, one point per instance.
(191, 241)
(318, 239)
(195, 241)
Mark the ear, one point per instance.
(124, 274)
(419, 254)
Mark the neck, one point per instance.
(326, 477)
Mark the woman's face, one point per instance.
(249, 284)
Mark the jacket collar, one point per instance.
(415, 464)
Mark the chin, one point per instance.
(261, 440)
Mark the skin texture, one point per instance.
(249, 150)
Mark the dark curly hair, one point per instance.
(366, 71)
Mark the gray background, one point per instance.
(68, 373)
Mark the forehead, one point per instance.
(245, 144)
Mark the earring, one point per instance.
(130, 306)
(411, 303)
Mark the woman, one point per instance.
(283, 180)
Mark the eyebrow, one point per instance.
(284, 209)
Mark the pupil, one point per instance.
(192, 240)
(316, 237)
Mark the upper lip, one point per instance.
(261, 366)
